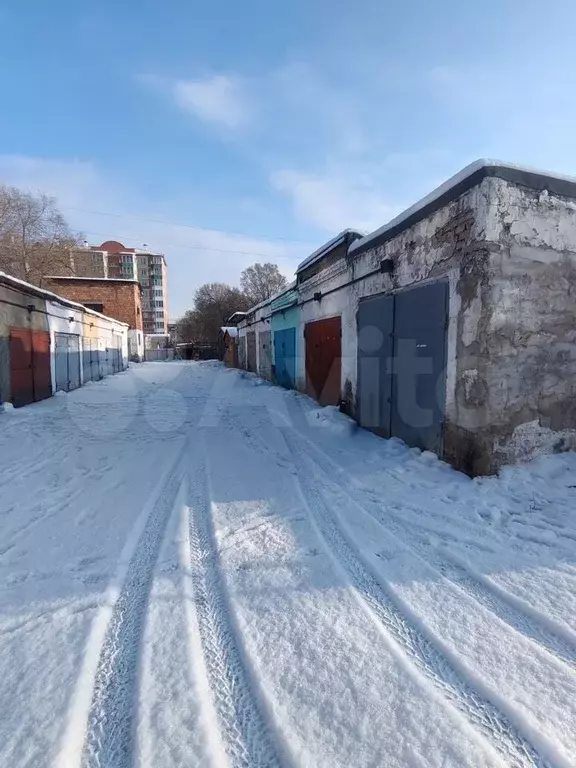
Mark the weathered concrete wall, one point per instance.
(517, 331)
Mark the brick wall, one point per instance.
(120, 299)
(88, 263)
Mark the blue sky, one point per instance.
(269, 126)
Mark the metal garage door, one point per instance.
(251, 351)
(265, 354)
(242, 352)
(30, 378)
(420, 319)
(401, 364)
(375, 352)
(324, 360)
(285, 357)
(91, 360)
(67, 361)
(115, 354)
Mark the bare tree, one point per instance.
(35, 240)
(261, 281)
(214, 303)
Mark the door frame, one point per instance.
(394, 293)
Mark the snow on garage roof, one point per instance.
(461, 182)
(319, 252)
(231, 330)
(42, 293)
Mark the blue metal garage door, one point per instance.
(67, 361)
(285, 357)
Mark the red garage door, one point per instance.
(41, 365)
(29, 366)
(324, 360)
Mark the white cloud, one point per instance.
(333, 202)
(218, 99)
(88, 195)
(72, 181)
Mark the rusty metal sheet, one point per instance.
(324, 360)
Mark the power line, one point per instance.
(208, 248)
(178, 224)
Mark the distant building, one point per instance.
(174, 333)
(115, 297)
(228, 346)
(112, 260)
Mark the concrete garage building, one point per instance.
(49, 343)
(458, 318)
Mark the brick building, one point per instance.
(112, 260)
(115, 297)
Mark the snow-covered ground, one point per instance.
(199, 569)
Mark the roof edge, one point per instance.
(470, 176)
(42, 293)
(93, 279)
(326, 248)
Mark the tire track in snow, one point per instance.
(424, 654)
(109, 741)
(507, 608)
(243, 727)
(491, 598)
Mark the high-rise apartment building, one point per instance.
(113, 260)
(151, 270)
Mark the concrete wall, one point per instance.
(516, 338)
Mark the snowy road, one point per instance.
(199, 569)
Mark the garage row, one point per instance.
(452, 327)
(50, 344)
(286, 342)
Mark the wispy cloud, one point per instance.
(102, 206)
(218, 99)
(333, 203)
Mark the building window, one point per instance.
(158, 303)
(95, 307)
